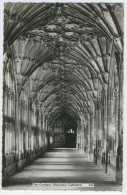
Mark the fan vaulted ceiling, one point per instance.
(62, 50)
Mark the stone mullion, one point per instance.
(89, 137)
(91, 132)
(21, 130)
(107, 132)
(32, 141)
(24, 141)
(24, 114)
(108, 102)
(35, 139)
(13, 140)
(5, 103)
(33, 130)
(109, 115)
(46, 127)
(91, 129)
(20, 143)
(120, 106)
(77, 136)
(10, 140)
(25, 130)
(105, 118)
(12, 106)
(8, 105)
(105, 125)
(29, 127)
(82, 134)
(38, 138)
(39, 120)
(27, 143)
(34, 117)
(38, 128)
(36, 131)
(42, 129)
(116, 123)
(44, 123)
(17, 129)
(102, 122)
(120, 116)
(6, 141)
(97, 131)
(40, 141)
(113, 123)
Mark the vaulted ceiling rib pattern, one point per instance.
(61, 52)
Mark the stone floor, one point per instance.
(63, 166)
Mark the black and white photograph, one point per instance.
(63, 96)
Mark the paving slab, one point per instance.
(67, 166)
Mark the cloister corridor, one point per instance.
(62, 109)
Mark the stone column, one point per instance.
(89, 137)
(29, 125)
(17, 131)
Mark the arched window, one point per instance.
(70, 131)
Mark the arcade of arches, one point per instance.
(63, 82)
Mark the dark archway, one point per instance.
(70, 133)
(65, 127)
(70, 138)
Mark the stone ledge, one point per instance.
(22, 163)
(13, 168)
(9, 170)
(111, 168)
(9, 160)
